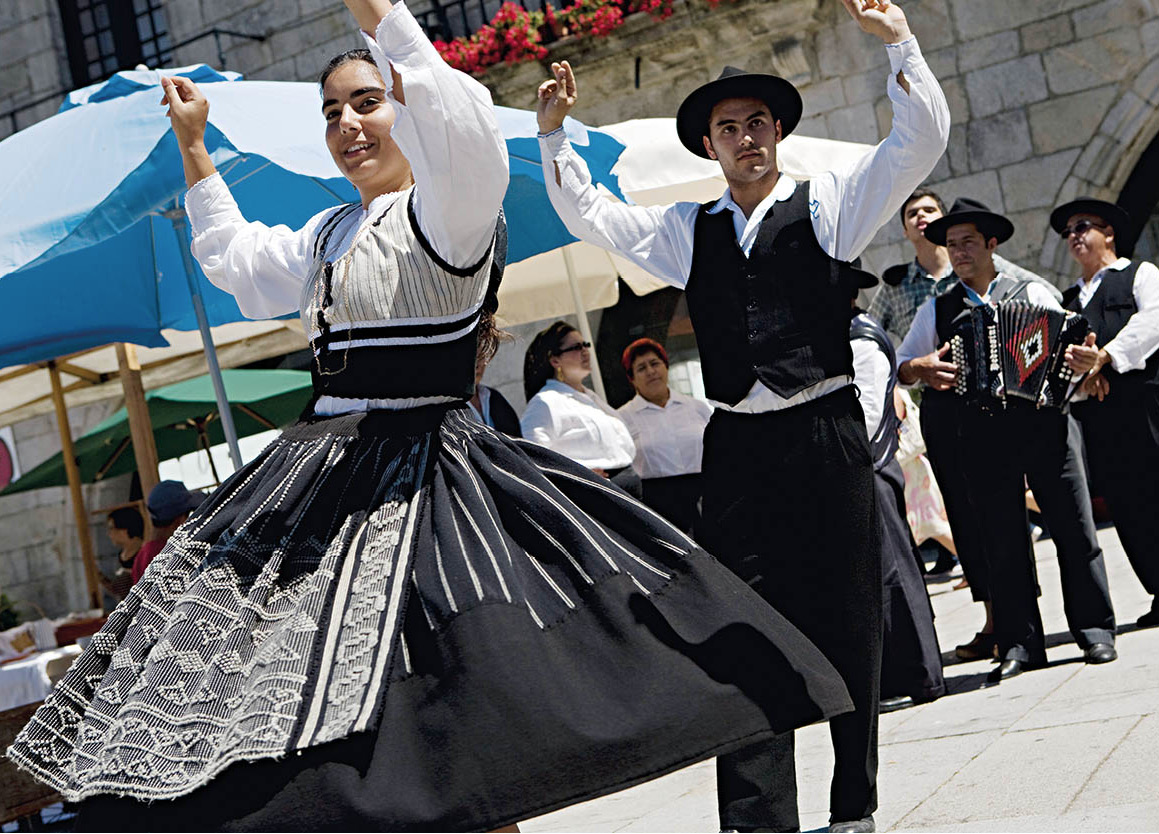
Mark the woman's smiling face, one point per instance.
(359, 118)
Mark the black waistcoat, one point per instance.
(1108, 311)
(780, 315)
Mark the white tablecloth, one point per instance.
(26, 681)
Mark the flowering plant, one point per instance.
(592, 17)
(512, 36)
(659, 9)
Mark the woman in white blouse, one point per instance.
(566, 416)
(668, 430)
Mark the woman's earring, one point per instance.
(559, 372)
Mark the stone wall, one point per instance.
(32, 61)
(40, 559)
(1049, 98)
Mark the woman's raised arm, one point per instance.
(446, 128)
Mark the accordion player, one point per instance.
(1015, 349)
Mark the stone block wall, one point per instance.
(1049, 98)
(32, 61)
(40, 559)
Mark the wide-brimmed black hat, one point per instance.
(782, 98)
(1115, 215)
(864, 278)
(989, 223)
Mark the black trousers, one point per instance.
(789, 506)
(1122, 442)
(911, 659)
(1013, 447)
(943, 417)
(677, 498)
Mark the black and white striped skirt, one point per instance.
(406, 620)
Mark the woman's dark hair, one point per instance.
(129, 520)
(537, 368)
(345, 58)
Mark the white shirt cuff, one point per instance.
(206, 198)
(1119, 362)
(901, 52)
(554, 146)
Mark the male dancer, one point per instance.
(788, 480)
(1120, 298)
(1007, 446)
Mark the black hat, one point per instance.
(863, 278)
(965, 210)
(1115, 215)
(782, 98)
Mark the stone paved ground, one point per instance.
(1066, 748)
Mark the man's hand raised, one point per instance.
(880, 18)
(556, 97)
(931, 370)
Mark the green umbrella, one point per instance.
(185, 419)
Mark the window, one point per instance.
(104, 36)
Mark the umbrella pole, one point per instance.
(582, 315)
(180, 224)
(140, 426)
(92, 577)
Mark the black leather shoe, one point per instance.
(1100, 653)
(982, 647)
(1005, 670)
(895, 703)
(1150, 619)
(863, 824)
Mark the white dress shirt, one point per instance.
(447, 125)
(922, 338)
(670, 438)
(848, 206)
(871, 376)
(1139, 338)
(578, 425)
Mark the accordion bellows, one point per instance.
(1015, 349)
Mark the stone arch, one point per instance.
(1125, 142)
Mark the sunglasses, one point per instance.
(576, 346)
(1080, 228)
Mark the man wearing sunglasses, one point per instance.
(1120, 299)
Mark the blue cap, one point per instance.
(169, 499)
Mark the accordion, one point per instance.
(1015, 349)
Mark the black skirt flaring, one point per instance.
(409, 621)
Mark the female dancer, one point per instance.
(396, 617)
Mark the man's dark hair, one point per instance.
(129, 520)
(917, 195)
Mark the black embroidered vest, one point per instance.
(1108, 311)
(780, 315)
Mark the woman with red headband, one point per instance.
(668, 429)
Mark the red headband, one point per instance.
(638, 347)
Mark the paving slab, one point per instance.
(1120, 780)
(1070, 747)
(1006, 779)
